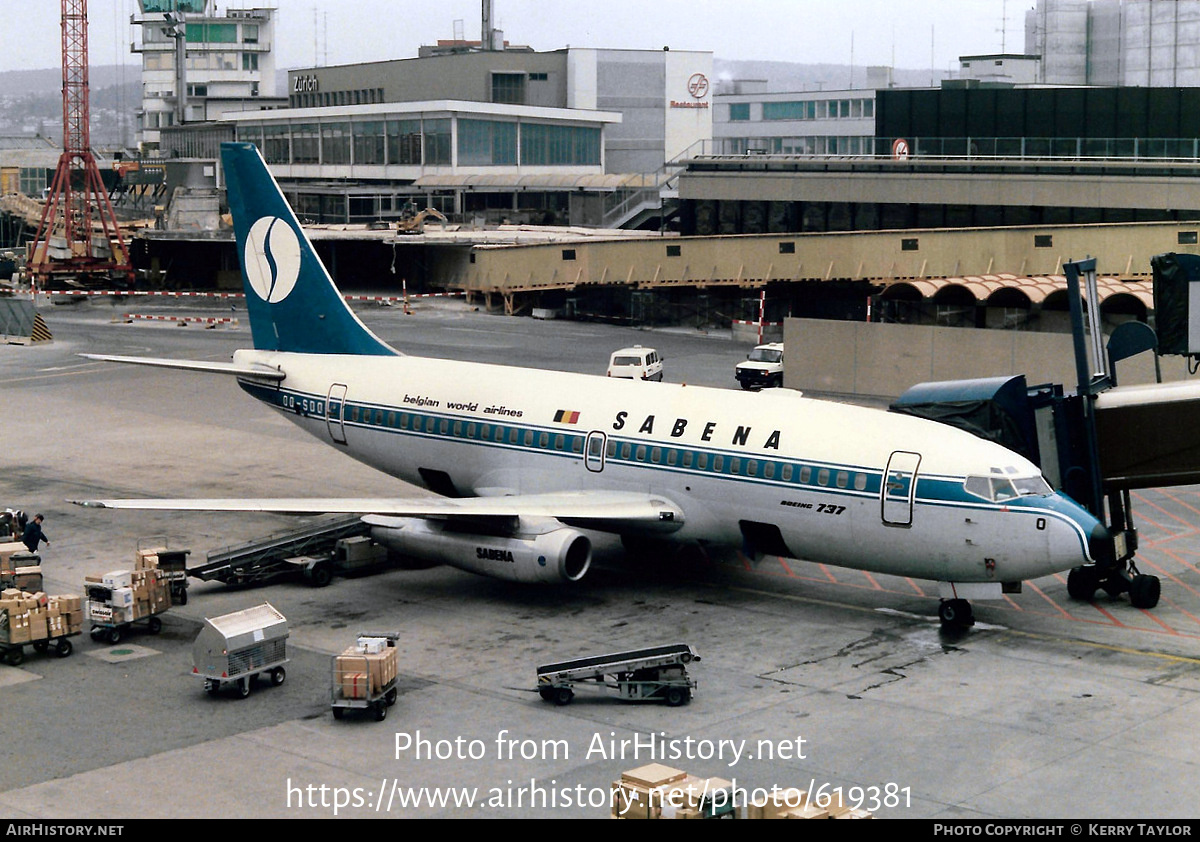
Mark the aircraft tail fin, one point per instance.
(291, 301)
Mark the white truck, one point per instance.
(763, 367)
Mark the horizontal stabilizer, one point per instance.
(258, 372)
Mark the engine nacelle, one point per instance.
(558, 554)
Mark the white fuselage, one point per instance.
(841, 484)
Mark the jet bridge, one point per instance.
(1102, 440)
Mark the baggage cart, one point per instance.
(236, 648)
(20, 628)
(354, 689)
(657, 673)
(112, 618)
(13, 654)
(20, 568)
(172, 566)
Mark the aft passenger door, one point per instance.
(899, 488)
(335, 413)
(593, 451)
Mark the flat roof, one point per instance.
(452, 106)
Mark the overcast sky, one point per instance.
(901, 32)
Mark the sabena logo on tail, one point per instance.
(272, 259)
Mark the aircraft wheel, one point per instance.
(956, 613)
(1144, 591)
(1081, 584)
(1114, 585)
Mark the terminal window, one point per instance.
(508, 87)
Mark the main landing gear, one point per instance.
(956, 614)
(1143, 590)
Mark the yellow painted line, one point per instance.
(1108, 647)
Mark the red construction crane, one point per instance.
(78, 239)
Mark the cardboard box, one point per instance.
(372, 645)
(652, 775)
(147, 559)
(808, 811)
(117, 579)
(774, 806)
(854, 813)
(354, 685)
(16, 628)
(380, 669)
(669, 812)
(67, 603)
(630, 801)
(37, 626)
(28, 578)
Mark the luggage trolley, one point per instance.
(658, 673)
(236, 648)
(364, 676)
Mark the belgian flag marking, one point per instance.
(566, 416)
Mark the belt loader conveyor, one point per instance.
(659, 672)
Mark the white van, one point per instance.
(636, 363)
(762, 368)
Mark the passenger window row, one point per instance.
(716, 463)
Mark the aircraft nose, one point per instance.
(1100, 545)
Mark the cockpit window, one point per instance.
(1028, 486)
(999, 488)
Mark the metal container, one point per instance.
(239, 646)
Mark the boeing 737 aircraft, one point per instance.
(526, 460)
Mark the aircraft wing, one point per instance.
(609, 511)
(261, 372)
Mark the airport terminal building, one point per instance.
(572, 135)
